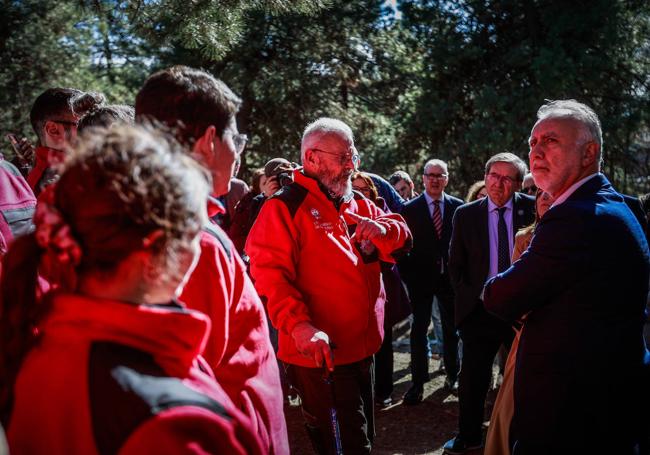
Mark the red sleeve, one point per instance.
(192, 430)
(273, 246)
(210, 291)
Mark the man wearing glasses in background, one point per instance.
(426, 274)
(315, 254)
(481, 246)
(202, 111)
(54, 118)
(528, 185)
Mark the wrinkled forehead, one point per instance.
(556, 124)
(504, 168)
(332, 139)
(437, 168)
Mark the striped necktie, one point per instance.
(437, 218)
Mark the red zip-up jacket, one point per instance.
(306, 266)
(46, 157)
(238, 349)
(111, 377)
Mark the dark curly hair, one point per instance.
(119, 186)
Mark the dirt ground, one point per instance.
(402, 430)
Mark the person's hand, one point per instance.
(25, 150)
(313, 343)
(367, 229)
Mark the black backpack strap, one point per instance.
(221, 236)
(127, 387)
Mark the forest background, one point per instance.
(415, 79)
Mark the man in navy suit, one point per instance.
(582, 284)
(481, 246)
(425, 272)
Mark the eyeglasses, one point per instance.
(530, 190)
(506, 180)
(342, 158)
(240, 141)
(362, 189)
(436, 176)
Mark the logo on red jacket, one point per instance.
(318, 223)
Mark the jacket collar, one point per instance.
(48, 156)
(595, 184)
(173, 335)
(215, 207)
(45, 158)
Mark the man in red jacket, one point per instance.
(54, 118)
(202, 110)
(315, 250)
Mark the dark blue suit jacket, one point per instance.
(583, 283)
(469, 255)
(420, 269)
(393, 200)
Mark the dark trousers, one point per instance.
(422, 302)
(384, 366)
(482, 335)
(350, 393)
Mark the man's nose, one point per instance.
(535, 151)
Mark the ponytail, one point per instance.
(21, 309)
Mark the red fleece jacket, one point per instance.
(45, 158)
(308, 268)
(238, 349)
(101, 377)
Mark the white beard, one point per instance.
(338, 187)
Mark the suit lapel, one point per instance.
(483, 234)
(518, 214)
(426, 217)
(447, 218)
(423, 208)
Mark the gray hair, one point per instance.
(436, 162)
(575, 110)
(511, 158)
(322, 127)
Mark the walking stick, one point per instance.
(334, 420)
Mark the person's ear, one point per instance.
(310, 158)
(590, 154)
(203, 150)
(152, 238)
(150, 274)
(54, 131)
